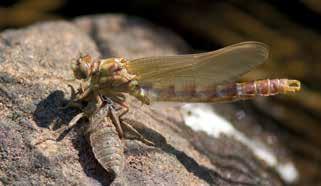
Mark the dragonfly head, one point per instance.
(82, 67)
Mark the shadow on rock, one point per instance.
(49, 114)
(222, 154)
(189, 163)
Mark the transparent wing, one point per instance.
(204, 69)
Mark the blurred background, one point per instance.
(292, 28)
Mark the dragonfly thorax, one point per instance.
(112, 78)
(112, 74)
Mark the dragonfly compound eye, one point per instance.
(81, 67)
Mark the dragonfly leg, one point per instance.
(72, 103)
(126, 109)
(74, 120)
(121, 100)
(63, 131)
(136, 134)
(115, 119)
(84, 94)
(76, 97)
(73, 92)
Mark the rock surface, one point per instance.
(34, 73)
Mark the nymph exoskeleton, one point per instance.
(106, 145)
(104, 137)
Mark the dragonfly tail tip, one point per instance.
(292, 86)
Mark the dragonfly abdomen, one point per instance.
(226, 92)
(267, 87)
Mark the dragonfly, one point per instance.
(204, 77)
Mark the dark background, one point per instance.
(290, 27)
(15, 13)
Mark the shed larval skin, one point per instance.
(106, 144)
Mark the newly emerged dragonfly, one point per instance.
(203, 77)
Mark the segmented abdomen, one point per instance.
(106, 144)
(221, 93)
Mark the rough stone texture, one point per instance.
(34, 73)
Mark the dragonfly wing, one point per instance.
(204, 69)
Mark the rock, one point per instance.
(35, 66)
(34, 73)
(133, 38)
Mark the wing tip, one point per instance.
(262, 48)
